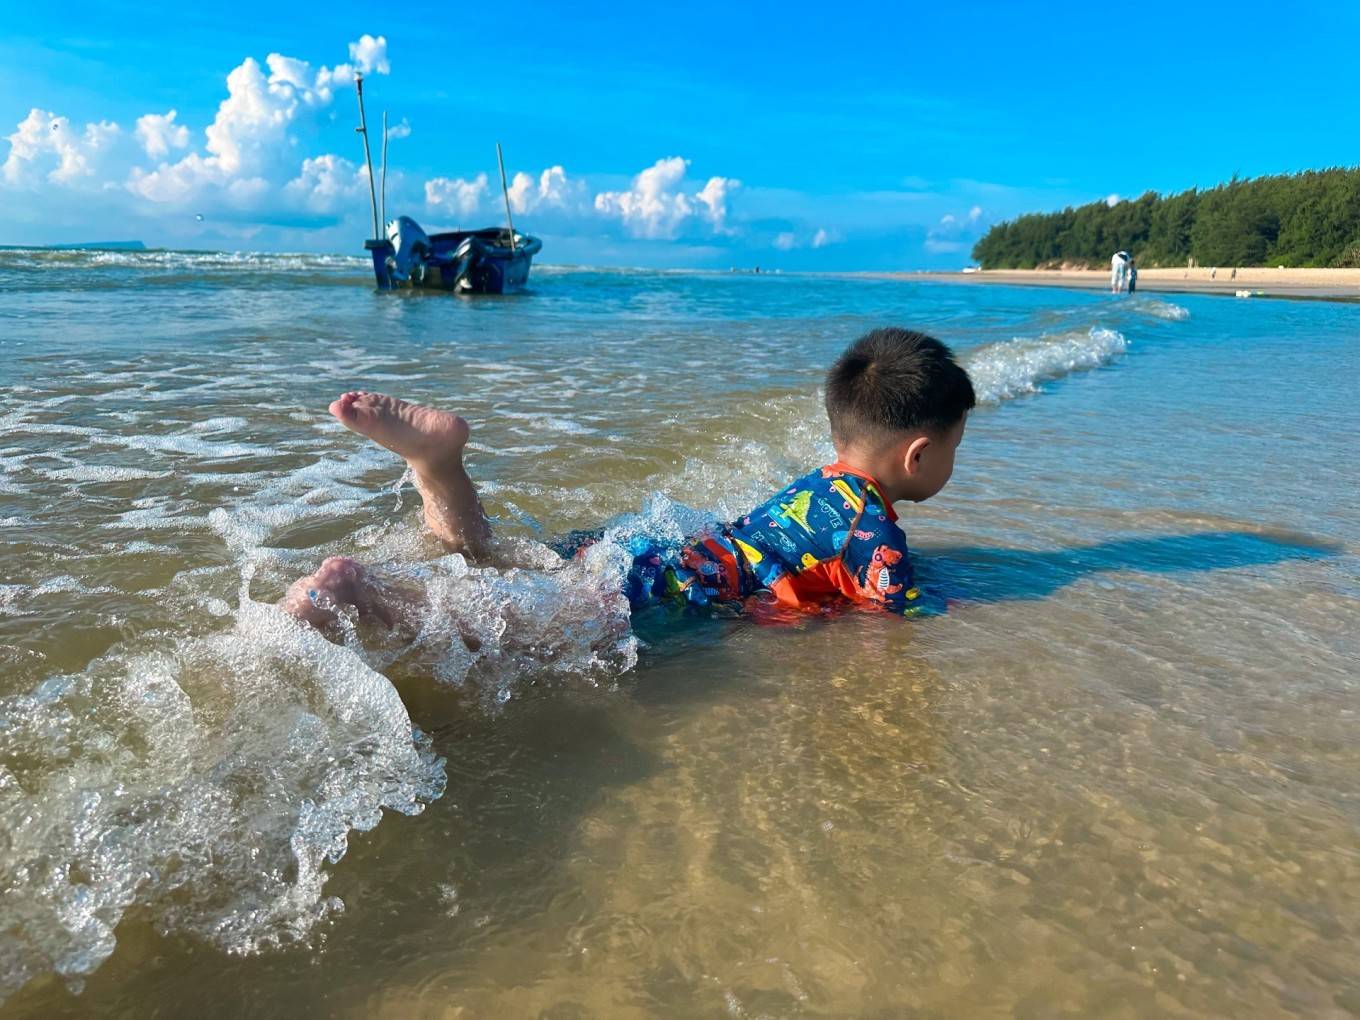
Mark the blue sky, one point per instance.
(795, 135)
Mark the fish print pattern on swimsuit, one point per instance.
(830, 534)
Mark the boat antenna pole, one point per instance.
(506, 192)
(368, 160)
(383, 193)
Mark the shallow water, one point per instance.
(1117, 777)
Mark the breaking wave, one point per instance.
(96, 270)
(1168, 310)
(1001, 371)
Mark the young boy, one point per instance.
(897, 403)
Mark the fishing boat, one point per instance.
(491, 261)
(494, 260)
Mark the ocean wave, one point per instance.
(1168, 310)
(92, 270)
(161, 259)
(1002, 371)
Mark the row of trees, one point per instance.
(1306, 219)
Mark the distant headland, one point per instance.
(81, 246)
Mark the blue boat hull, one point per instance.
(464, 261)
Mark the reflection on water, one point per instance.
(1117, 776)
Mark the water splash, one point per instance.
(533, 617)
(154, 778)
(1002, 371)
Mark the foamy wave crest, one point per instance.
(1159, 309)
(206, 784)
(1011, 369)
(102, 270)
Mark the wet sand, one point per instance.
(1322, 284)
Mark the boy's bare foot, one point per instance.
(425, 437)
(431, 442)
(339, 581)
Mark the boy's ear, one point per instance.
(911, 460)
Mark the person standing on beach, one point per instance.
(1119, 267)
(1133, 275)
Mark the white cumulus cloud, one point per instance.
(369, 54)
(658, 206)
(327, 183)
(713, 199)
(159, 133)
(553, 190)
(249, 145)
(45, 146)
(456, 195)
(1112, 200)
(955, 234)
(788, 240)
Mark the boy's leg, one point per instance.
(431, 442)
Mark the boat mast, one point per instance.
(383, 193)
(368, 160)
(505, 191)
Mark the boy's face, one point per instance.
(928, 461)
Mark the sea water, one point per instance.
(1119, 776)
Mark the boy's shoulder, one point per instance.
(857, 488)
(820, 512)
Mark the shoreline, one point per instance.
(1307, 284)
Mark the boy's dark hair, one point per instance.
(892, 381)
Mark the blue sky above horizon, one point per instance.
(793, 135)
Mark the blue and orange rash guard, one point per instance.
(829, 535)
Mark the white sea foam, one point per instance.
(1159, 309)
(102, 473)
(14, 597)
(553, 423)
(185, 444)
(184, 260)
(228, 423)
(157, 517)
(1014, 368)
(158, 778)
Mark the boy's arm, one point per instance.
(878, 560)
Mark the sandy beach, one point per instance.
(1326, 284)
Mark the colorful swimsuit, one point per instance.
(831, 534)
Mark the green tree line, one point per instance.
(1307, 219)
